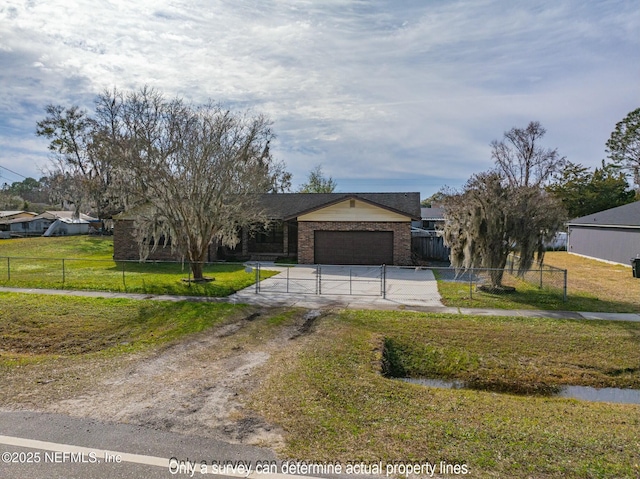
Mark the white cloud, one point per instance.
(370, 90)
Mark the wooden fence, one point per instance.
(430, 247)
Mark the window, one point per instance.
(272, 234)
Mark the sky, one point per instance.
(402, 95)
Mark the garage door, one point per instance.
(353, 247)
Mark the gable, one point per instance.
(353, 210)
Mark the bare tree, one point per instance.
(522, 160)
(506, 210)
(195, 171)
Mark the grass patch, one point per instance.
(604, 281)
(39, 327)
(88, 265)
(529, 296)
(330, 397)
(84, 246)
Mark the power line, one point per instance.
(13, 172)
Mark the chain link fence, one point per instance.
(402, 282)
(481, 280)
(154, 277)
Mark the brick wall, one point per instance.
(401, 237)
(125, 246)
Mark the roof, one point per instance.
(432, 214)
(4, 214)
(56, 215)
(625, 216)
(282, 206)
(291, 205)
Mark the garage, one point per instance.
(353, 247)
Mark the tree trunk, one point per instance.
(196, 269)
(496, 277)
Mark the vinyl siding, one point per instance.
(360, 212)
(618, 245)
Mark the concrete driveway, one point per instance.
(369, 286)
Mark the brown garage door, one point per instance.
(353, 247)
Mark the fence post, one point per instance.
(540, 276)
(384, 281)
(124, 281)
(257, 277)
(288, 268)
(319, 279)
(350, 289)
(8, 269)
(63, 272)
(471, 284)
(564, 295)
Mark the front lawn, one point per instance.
(85, 263)
(331, 398)
(592, 286)
(35, 328)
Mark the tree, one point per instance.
(433, 201)
(195, 171)
(317, 183)
(82, 168)
(623, 146)
(583, 192)
(490, 219)
(520, 158)
(506, 210)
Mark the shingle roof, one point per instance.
(291, 205)
(280, 206)
(625, 215)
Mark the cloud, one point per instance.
(371, 90)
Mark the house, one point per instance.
(328, 228)
(8, 217)
(427, 241)
(431, 219)
(610, 235)
(37, 225)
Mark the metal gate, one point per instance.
(326, 279)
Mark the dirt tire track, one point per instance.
(197, 386)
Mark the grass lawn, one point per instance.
(604, 281)
(592, 286)
(57, 347)
(36, 328)
(88, 265)
(335, 405)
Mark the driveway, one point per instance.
(370, 286)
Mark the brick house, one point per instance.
(328, 228)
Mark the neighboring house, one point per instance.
(7, 217)
(37, 225)
(430, 219)
(328, 228)
(427, 241)
(611, 235)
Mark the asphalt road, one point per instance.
(50, 446)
